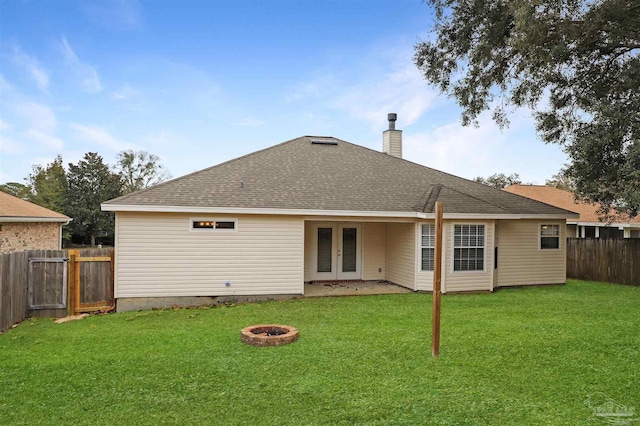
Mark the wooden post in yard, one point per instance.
(71, 279)
(437, 282)
(76, 284)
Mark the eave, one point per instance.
(326, 213)
(15, 219)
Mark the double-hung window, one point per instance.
(549, 237)
(468, 247)
(428, 244)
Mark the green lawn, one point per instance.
(518, 356)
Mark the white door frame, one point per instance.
(336, 252)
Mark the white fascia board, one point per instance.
(305, 212)
(470, 216)
(12, 219)
(608, 225)
(240, 210)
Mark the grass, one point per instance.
(519, 356)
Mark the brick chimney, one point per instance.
(392, 138)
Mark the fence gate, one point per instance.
(91, 283)
(47, 285)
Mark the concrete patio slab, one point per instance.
(352, 288)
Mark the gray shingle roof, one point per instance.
(301, 175)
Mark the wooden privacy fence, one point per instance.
(607, 260)
(54, 283)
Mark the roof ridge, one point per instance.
(432, 198)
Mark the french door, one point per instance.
(336, 251)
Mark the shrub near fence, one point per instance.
(606, 260)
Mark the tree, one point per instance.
(561, 181)
(500, 180)
(90, 183)
(139, 169)
(17, 190)
(574, 63)
(49, 185)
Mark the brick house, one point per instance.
(27, 226)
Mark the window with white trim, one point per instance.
(549, 237)
(428, 243)
(468, 247)
(213, 225)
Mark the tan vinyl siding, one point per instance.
(392, 142)
(373, 251)
(159, 256)
(520, 260)
(572, 231)
(400, 254)
(467, 280)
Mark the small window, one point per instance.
(549, 237)
(213, 225)
(225, 225)
(468, 248)
(427, 244)
(203, 225)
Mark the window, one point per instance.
(468, 247)
(427, 244)
(226, 225)
(549, 237)
(213, 225)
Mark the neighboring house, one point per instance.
(318, 208)
(27, 226)
(588, 225)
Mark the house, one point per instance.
(318, 208)
(588, 224)
(27, 226)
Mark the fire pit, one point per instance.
(269, 335)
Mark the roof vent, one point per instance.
(324, 142)
(392, 117)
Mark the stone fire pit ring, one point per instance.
(269, 335)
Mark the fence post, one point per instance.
(71, 279)
(76, 304)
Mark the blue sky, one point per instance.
(201, 82)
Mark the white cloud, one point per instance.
(384, 80)
(126, 92)
(39, 117)
(463, 151)
(114, 13)
(99, 136)
(248, 122)
(48, 141)
(31, 65)
(401, 90)
(5, 88)
(88, 75)
(9, 146)
(484, 150)
(4, 126)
